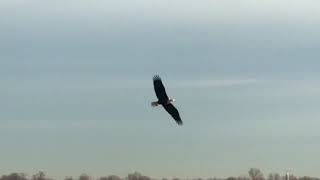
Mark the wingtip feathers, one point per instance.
(156, 77)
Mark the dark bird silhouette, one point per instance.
(164, 100)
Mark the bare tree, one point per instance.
(231, 178)
(214, 178)
(103, 178)
(243, 178)
(68, 178)
(14, 176)
(39, 176)
(134, 176)
(308, 178)
(85, 177)
(111, 177)
(291, 177)
(137, 176)
(255, 174)
(274, 176)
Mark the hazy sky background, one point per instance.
(76, 87)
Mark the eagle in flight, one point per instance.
(164, 100)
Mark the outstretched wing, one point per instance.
(159, 89)
(173, 112)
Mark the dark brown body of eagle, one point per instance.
(164, 100)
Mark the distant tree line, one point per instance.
(253, 174)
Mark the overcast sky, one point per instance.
(76, 86)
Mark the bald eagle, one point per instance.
(164, 100)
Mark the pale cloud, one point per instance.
(207, 83)
(14, 124)
(215, 83)
(46, 124)
(291, 88)
(180, 10)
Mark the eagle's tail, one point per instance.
(154, 104)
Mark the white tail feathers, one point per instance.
(154, 104)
